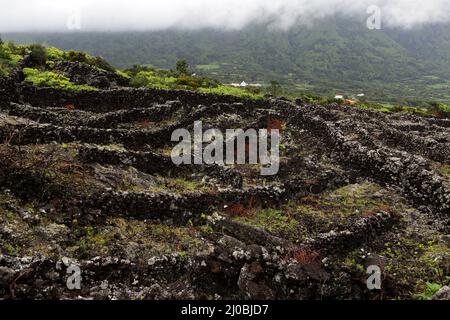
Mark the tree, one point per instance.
(182, 68)
(77, 56)
(38, 54)
(1, 41)
(275, 88)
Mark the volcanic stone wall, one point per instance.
(8, 91)
(110, 100)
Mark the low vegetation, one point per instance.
(51, 79)
(9, 57)
(438, 110)
(433, 109)
(181, 78)
(55, 54)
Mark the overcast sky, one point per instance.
(88, 15)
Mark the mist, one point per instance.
(141, 15)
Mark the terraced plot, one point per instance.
(86, 178)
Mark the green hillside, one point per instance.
(339, 56)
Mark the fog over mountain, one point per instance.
(323, 46)
(116, 15)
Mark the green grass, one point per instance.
(231, 91)
(11, 249)
(52, 80)
(444, 170)
(180, 185)
(274, 221)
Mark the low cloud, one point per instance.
(115, 15)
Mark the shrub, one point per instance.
(139, 80)
(142, 76)
(55, 54)
(82, 57)
(123, 74)
(210, 83)
(53, 80)
(429, 292)
(150, 80)
(224, 90)
(101, 63)
(190, 82)
(182, 68)
(76, 56)
(275, 88)
(38, 54)
(50, 64)
(440, 110)
(4, 55)
(8, 58)
(3, 71)
(135, 69)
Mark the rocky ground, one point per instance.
(86, 179)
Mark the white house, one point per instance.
(243, 84)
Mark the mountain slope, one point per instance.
(334, 56)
